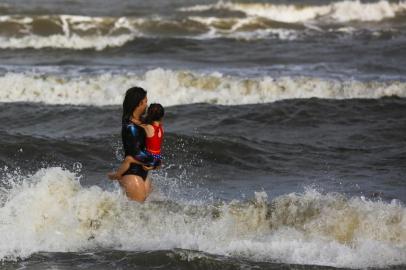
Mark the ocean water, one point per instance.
(285, 134)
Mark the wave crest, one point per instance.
(257, 21)
(99, 33)
(343, 11)
(185, 87)
(65, 31)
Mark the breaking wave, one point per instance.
(256, 21)
(343, 11)
(50, 211)
(185, 87)
(82, 32)
(64, 31)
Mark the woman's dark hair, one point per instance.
(132, 99)
(155, 112)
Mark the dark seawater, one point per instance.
(285, 134)
(214, 155)
(174, 259)
(356, 147)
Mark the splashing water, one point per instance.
(51, 211)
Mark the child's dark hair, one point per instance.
(155, 112)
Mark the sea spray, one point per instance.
(51, 211)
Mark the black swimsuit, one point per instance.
(133, 138)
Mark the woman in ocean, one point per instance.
(152, 125)
(135, 181)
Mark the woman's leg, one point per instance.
(134, 187)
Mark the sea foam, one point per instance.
(66, 31)
(342, 11)
(175, 87)
(261, 21)
(52, 211)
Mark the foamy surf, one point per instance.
(85, 32)
(66, 31)
(343, 11)
(171, 87)
(258, 21)
(50, 211)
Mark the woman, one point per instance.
(135, 181)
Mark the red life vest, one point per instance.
(153, 144)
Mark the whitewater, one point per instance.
(51, 211)
(284, 144)
(258, 21)
(176, 87)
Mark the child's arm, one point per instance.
(149, 130)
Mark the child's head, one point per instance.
(155, 112)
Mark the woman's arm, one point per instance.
(133, 142)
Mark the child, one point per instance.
(153, 142)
